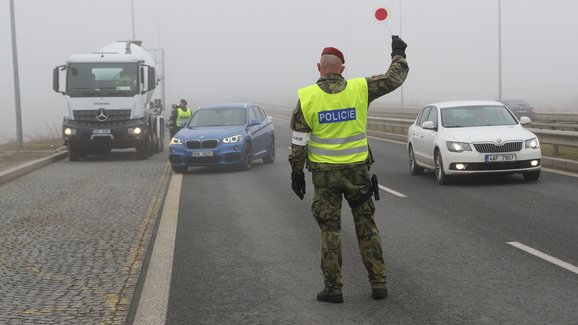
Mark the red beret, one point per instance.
(333, 51)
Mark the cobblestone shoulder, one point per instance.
(74, 236)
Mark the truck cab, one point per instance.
(107, 101)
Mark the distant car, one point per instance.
(467, 137)
(224, 135)
(520, 108)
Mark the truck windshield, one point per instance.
(102, 79)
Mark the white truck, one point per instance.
(109, 102)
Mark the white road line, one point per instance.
(153, 303)
(396, 193)
(544, 256)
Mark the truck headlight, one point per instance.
(458, 146)
(532, 143)
(69, 131)
(136, 130)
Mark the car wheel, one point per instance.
(414, 169)
(247, 158)
(531, 176)
(441, 176)
(271, 156)
(179, 169)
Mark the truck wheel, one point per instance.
(73, 153)
(144, 150)
(157, 146)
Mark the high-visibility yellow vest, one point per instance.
(183, 116)
(338, 123)
(126, 83)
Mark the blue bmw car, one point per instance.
(224, 135)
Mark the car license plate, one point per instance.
(500, 157)
(101, 131)
(202, 154)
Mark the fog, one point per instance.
(263, 51)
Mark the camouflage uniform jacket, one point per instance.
(377, 86)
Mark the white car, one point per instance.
(466, 137)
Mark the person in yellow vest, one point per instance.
(125, 82)
(179, 117)
(329, 138)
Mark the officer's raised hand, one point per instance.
(398, 46)
(298, 184)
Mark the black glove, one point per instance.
(298, 184)
(398, 46)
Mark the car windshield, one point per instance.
(473, 116)
(218, 117)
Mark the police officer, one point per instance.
(179, 116)
(329, 137)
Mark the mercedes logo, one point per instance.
(101, 115)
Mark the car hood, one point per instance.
(210, 132)
(488, 133)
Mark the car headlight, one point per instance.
(233, 139)
(175, 141)
(532, 143)
(458, 146)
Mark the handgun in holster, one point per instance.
(375, 187)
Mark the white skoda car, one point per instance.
(465, 137)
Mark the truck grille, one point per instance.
(492, 147)
(112, 117)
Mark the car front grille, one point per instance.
(206, 144)
(492, 147)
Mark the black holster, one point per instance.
(375, 187)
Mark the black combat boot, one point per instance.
(378, 293)
(328, 296)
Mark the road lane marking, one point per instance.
(544, 256)
(153, 303)
(396, 193)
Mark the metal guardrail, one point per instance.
(556, 138)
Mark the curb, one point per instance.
(15, 172)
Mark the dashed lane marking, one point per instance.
(544, 256)
(388, 190)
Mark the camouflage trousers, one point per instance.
(330, 188)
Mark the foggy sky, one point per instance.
(263, 51)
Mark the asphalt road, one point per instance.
(236, 247)
(247, 249)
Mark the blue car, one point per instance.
(224, 135)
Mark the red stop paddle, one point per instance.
(381, 14)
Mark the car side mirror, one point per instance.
(429, 125)
(254, 122)
(524, 120)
